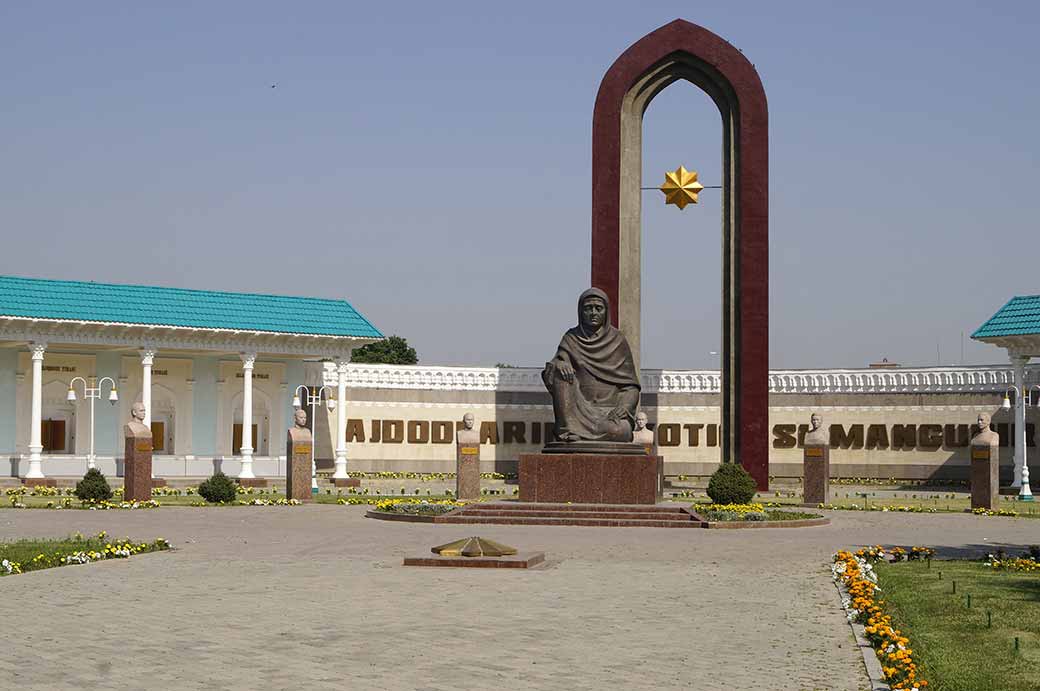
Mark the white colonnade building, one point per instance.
(215, 370)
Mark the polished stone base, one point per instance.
(252, 481)
(591, 478)
(346, 482)
(600, 448)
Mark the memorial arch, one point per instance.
(684, 51)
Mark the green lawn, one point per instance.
(953, 644)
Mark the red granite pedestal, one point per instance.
(137, 467)
(816, 474)
(590, 478)
(298, 465)
(467, 471)
(985, 485)
(252, 481)
(346, 482)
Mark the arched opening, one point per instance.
(681, 272)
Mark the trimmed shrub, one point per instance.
(93, 487)
(219, 488)
(731, 484)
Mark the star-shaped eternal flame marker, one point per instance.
(681, 187)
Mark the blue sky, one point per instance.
(430, 163)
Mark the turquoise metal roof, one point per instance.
(1020, 316)
(105, 302)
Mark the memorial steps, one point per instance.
(606, 515)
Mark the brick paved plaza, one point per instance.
(316, 597)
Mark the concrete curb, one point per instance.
(870, 661)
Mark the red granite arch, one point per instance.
(681, 50)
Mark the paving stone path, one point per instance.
(315, 597)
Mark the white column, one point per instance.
(248, 360)
(36, 418)
(147, 358)
(1018, 364)
(341, 420)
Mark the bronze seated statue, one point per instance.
(594, 383)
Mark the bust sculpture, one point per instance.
(985, 436)
(300, 419)
(817, 435)
(468, 435)
(592, 378)
(136, 426)
(642, 434)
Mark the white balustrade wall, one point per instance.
(967, 379)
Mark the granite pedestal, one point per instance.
(591, 478)
(346, 482)
(467, 470)
(137, 467)
(816, 474)
(298, 465)
(985, 468)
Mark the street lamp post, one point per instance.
(92, 391)
(1024, 492)
(312, 400)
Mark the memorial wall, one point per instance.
(885, 423)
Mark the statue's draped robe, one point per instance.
(605, 379)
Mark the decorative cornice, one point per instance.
(166, 338)
(968, 379)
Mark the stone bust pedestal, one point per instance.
(137, 455)
(467, 460)
(816, 463)
(298, 447)
(985, 466)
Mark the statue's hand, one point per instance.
(565, 369)
(616, 414)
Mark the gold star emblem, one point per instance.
(681, 187)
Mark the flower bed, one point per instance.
(754, 512)
(33, 555)
(417, 507)
(855, 572)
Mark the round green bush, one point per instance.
(731, 484)
(219, 488)
(93, 487)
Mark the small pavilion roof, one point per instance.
(1020, 316)
(37, 298)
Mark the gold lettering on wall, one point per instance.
(669, 435)
(877, 437)
(355, 430)
(393, 431)
(418, 432)
(488, 432)
(853, 439)
(783, 436)
(441, 432)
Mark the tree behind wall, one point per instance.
(390, 351)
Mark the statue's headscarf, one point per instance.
(593, 293)
(605, 355)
